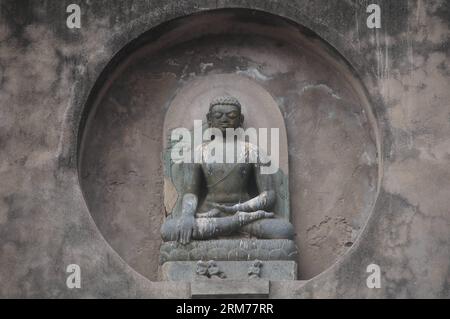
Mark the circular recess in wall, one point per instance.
(333, 143)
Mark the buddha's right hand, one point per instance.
(185, 229)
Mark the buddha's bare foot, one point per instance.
(246, 218)
(212, 213)
(264, 214)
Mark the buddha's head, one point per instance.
(225, 112)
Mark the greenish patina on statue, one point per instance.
(217, 200)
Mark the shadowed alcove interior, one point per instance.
(331, 134)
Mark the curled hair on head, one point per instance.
(225, 100)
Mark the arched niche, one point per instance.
(332, 140)
(261, 112)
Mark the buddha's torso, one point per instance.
(227, 183)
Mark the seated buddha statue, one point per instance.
(227, 207)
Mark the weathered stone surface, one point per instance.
(48, 71)
(229, 249)
(271, 63)
(230, 289)
(278, 270)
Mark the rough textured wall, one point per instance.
(47, 72)
(330, 142)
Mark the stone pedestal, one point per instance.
(229, 250)
(228, 260)
(230, 289)
(275, 270)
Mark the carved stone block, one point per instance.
(275, 270)
(230, 289)
(229, 250)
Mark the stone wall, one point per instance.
(47, 75)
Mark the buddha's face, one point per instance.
(225, 116)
